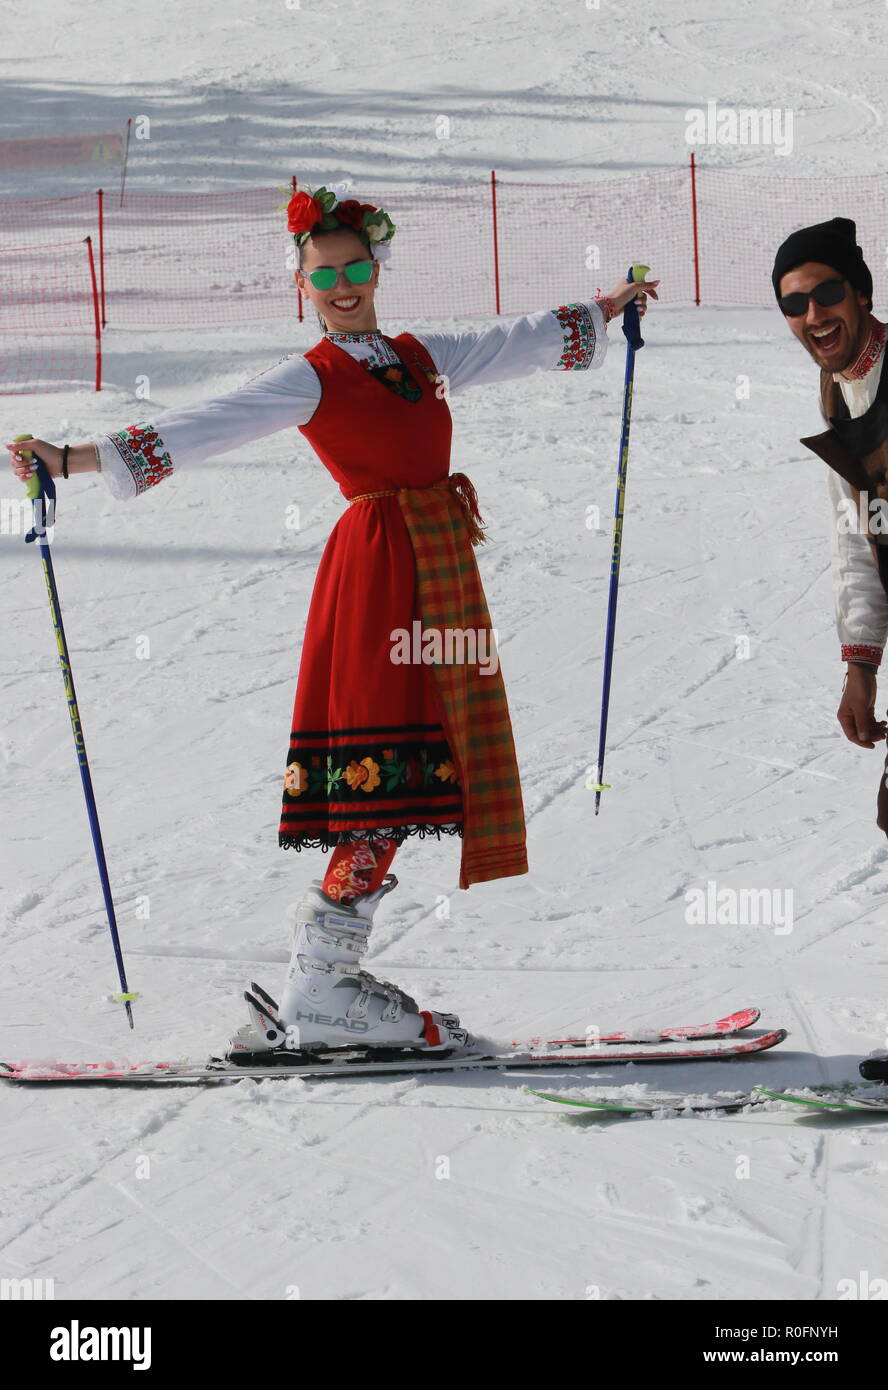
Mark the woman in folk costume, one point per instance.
(387, 740)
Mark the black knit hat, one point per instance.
(832, 243)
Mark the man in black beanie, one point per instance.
(824, 288)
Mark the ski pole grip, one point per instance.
(631, 321)
(33, 483)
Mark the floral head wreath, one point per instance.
(327, 209)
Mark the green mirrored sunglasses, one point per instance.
(357, 273)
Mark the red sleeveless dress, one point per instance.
(370, 747)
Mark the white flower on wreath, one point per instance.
(377, 231)
(341, 191)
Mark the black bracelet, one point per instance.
(65, 460)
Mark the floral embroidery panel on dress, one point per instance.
(384, 770)
(362, 787)
(399, 380)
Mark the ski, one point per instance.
(848, 1095)
(361, 1064)
(721, 1028)
(652, 1105)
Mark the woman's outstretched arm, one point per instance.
(569, 337)
(141, 455)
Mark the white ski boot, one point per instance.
(330, 1003)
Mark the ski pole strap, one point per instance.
(631, 320)
(44, 499)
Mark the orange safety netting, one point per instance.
(48, 329)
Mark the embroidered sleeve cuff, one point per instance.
(133, 459)
(861, 651)
(584, 341)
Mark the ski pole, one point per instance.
(634, 341)
(41, 489)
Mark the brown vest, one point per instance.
(858, 451)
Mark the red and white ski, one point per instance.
(344, 1064)
(721, 1028)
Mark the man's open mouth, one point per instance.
(825, 339)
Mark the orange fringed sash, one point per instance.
(444, 524)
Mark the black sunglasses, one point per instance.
(828, 292)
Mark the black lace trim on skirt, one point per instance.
(398, 833)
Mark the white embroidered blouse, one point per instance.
(569, 338)
(861, 605)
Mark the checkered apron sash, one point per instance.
(444, 525)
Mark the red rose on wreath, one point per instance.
(303, 212)
(351, 212)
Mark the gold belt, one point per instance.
(383, 492)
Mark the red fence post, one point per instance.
(95, 296)
(496, 274)
(101, 197)
(696, 238)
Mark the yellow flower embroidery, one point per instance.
(364, 774)
(295, 779)
(447, 772)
